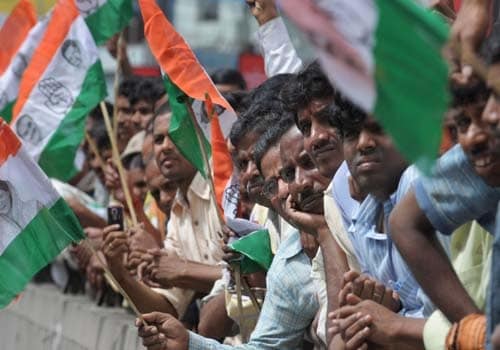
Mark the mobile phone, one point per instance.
(115, 216)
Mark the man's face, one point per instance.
(275, 189)
(124, 113)
(162, 191)
(138, 184)
(5, 199)
(249, 176)
(142, 114)
(373, 160)
(172, 164)
(478, 139)
(321, 140)
(305, 183)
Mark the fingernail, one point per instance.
(467, 71)
(161, 336)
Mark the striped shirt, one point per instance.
(379, 256)
(289, 308)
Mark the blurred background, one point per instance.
(222, 33)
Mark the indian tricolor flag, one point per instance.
(15, 30)
(188, 87)
(63, 82)
(384, 55)
(35, 222)
(11, 77)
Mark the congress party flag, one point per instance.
(186, 80)
(63, 82)
(11, 77)
(15, 30)
(385, 56)
(105, 17)
(35, 222)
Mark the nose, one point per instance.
(476, 137)
(136, 118)
(167, 144)
(302, 180)
(366, 141)
(318, 137)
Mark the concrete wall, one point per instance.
(46, 319)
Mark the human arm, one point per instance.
(147, 300)
(279, 54)
(417, 242)
(214, 321)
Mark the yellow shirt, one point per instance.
(471, 249)
(193, 234)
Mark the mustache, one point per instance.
(362, 154)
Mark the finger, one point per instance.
(153, 340)
(353, 299)
(367, 292)
(358, 283)
(156, 317)
(109, 229)
(361, 323)
(344, 292)
(365, 345)
(343, 312)
(378, 293)
(350, 276)
(359, 339)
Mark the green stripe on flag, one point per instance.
(57, 158)
(411, 78)
(109, 19)
(6, 112)
(181, 130)
(35, 247)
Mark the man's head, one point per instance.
(172, 164)
(162, 191)
(134, 167)
(265, 109)
(228, 80)
(305, 183)
(268, 161)
(124, 111)
(5, 198)
(473, 132)
(146, 93)
(309, 96)
(372, 158)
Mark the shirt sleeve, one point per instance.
(455, 194)
(279, 54)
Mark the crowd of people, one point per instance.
(369, 252)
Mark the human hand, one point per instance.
(140, 239)
(115, 248)
(95, 272)
(353, 330)
(166, 268)
(311, 223)
(382, 322)
(82, 254)
(263, 10)
(309, 244)
(163, 332)
(367, 288)
(468, 32)
(112, 178)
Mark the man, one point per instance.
(124, 112)
(460, 190)
(290, 304)
(147, 92)
(187, 265)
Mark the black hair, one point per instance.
(128, 86)
(475, 90)
(270, 138)
(133, 161)
(229, 76)
(308, 85)
(96, 113)
(238, 100)
(149, 90)
(349, 116)
(162, 110)
(100, 136)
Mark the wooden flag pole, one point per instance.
(206, 161)
(116, 83)
(110, 275)
(119, 165)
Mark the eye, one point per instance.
(288, 174)
(305, 127)
(462, 122)
(158, 139)
(307, 163)
(270, 187)
(351, 134)
(242, 164)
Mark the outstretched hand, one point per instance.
(163, 332)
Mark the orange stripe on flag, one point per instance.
(9, 143)
(222, 162)
(14, 31)
(64, 14)
(176, 57)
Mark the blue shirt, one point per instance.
(289, 307)
(454, 195)
(379, 256)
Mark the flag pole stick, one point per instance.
(118, 162)
(206, 161)
(110, 275)
(116, 82)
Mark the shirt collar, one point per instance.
(292, 246)
(198, 188)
